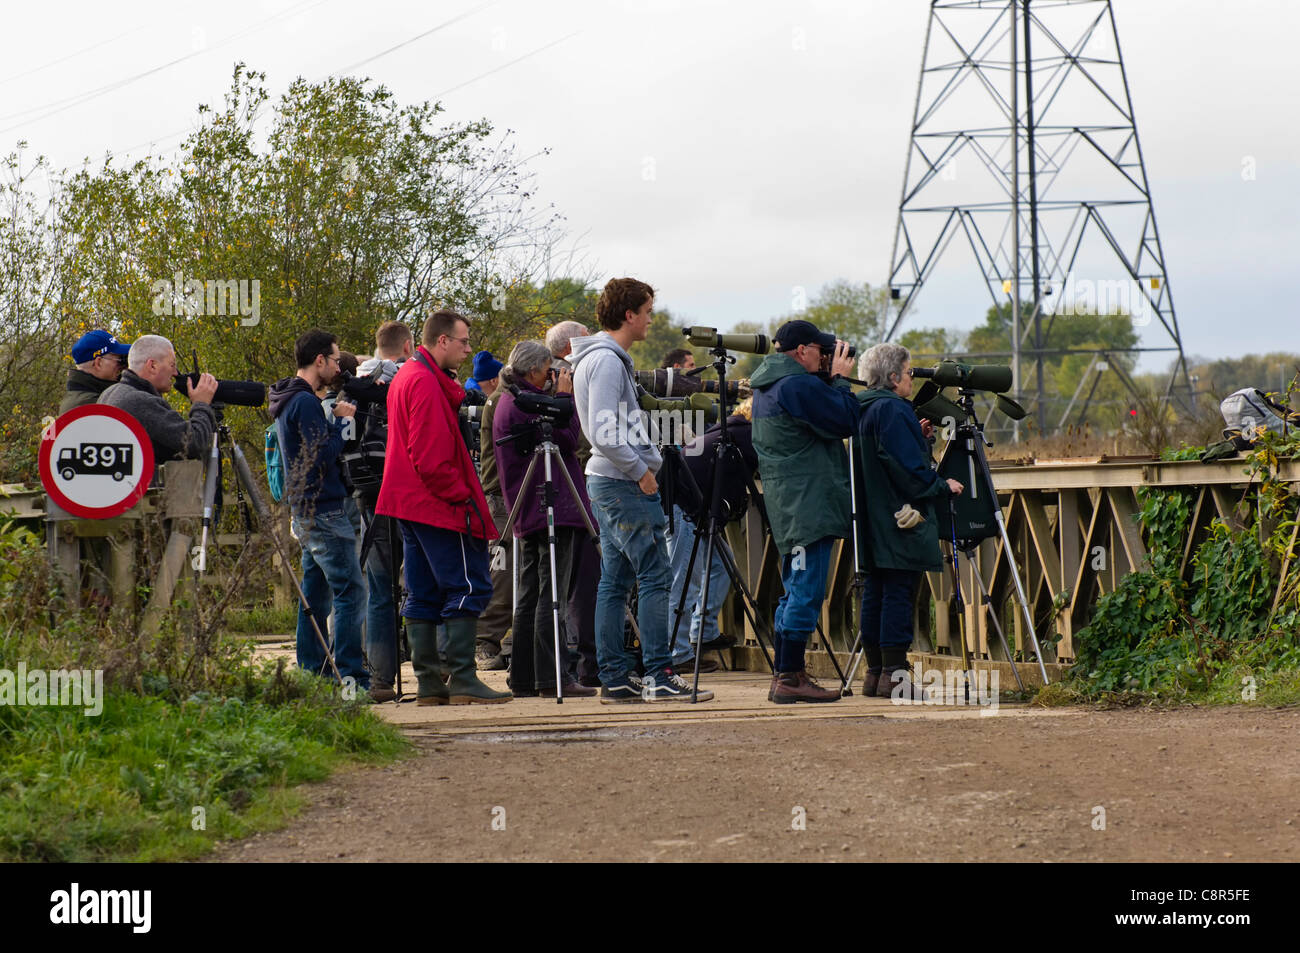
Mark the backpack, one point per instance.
(1248, 408)
(362, 459)
(274, 462)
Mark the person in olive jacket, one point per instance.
(801, 419)
(900, 536)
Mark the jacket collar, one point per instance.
(131, 379)
(446, 380)
(79, 380)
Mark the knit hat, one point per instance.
(486, 367)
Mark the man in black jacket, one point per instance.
(150, 373)
(100, 358)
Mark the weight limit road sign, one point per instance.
(96, 461)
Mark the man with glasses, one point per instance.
(99, 358)
(803, 411)
(311, 443)
(431, 487)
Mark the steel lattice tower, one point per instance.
(1059, 189)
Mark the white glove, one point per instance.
(908, 517)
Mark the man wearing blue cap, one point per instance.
(484, 375)
(803, 411)
(100, 358)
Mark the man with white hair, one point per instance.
(150, 373)
(559, 338)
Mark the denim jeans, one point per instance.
(803, 574)
(887, 608)
(381, 635)
(632, 550)
(331, 579)
(695, 623)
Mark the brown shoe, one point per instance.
(707, 665)
(899, 687)
(571, 690)
(382, 694)
(793, 687)
(871, 683)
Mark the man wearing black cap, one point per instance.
(803, 411)
(100, 358)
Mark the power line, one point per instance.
(70, 56)
(418, 36)
(505, 65)
(71, 102)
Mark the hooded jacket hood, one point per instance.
(774, 367)
(589, 344)
(283, 391)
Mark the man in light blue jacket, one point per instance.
(624, 492)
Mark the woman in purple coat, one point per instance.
(532, 664)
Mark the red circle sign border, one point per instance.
(146, 459)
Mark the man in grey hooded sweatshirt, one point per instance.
(624, 492)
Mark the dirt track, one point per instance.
(725, 781)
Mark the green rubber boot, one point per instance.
(463, 685)
(423, 638)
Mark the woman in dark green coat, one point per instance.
(899, 528)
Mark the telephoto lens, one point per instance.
(231, 393)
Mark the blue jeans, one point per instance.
(887, 608)
(701, 623)
(803, 574)
(331, 579)
(381, 636)
(632, 549)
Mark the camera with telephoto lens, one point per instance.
(229, 393)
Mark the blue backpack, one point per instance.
(274, 462)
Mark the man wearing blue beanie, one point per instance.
(483, 377)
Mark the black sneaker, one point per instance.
(623, 692)
(670, 687)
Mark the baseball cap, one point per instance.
(94, 343)
(486, 366)
(794, 333)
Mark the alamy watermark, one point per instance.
(1084, 296)
(75, 688)
(948, 687)
(194, 297)
(661, 427)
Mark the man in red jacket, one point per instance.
(431, 487)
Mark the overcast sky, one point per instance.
(728, 153)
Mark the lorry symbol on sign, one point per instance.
(97, 459)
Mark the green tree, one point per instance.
(357, 210)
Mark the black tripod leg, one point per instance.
(686, 587)
(747, 602)
(245, 476)
(830, 650)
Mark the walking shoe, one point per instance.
(378, 694)
(490, 659)
(721, 642)
(707, 665)
(871, 682)
(571, 690)
(625, 691)
(791, 687)
(896, 685)
(670, 686)
(589, 681)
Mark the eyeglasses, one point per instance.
(463, 342)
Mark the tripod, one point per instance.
(222, 440)
(969, 440)
(547, 451)
(710, 527)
